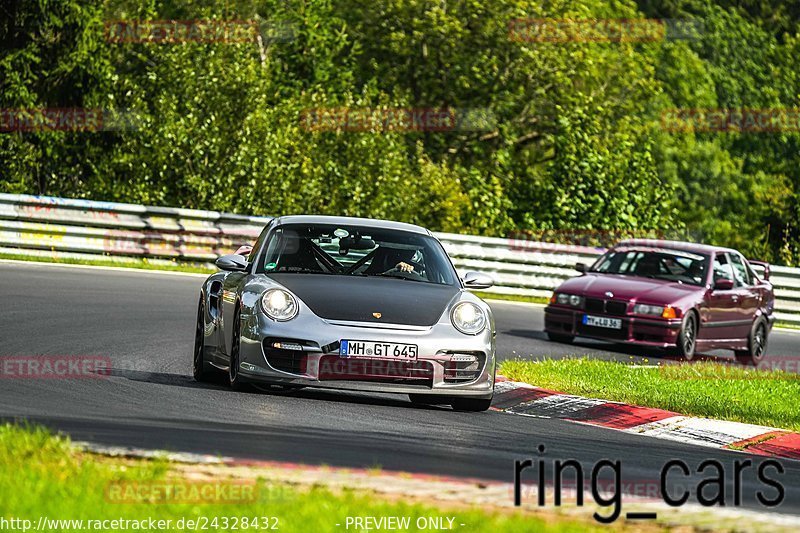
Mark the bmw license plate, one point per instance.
(348, 348)
(602, 322)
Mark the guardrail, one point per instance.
(116, 229)
(89, 228)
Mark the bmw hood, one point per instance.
(627, 288)
(356, 298)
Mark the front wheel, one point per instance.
(234, 377)
(756, 345)
(428, 399)
(200, 369)
(687, 338)
(471, 405)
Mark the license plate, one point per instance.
(348, 348)
(602, 322)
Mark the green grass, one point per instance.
(122, 262)
(701, 389)
(42, 475)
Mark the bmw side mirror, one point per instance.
(476, 280)
(723, 284)
(761, 268)
(581, 267)
(232, 263)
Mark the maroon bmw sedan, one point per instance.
(680, 296)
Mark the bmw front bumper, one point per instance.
(643, 331)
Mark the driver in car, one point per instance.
(403, 256)
(387, 260)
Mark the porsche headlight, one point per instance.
(468, 318)
(279, 305)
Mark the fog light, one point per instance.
(287, 346)
(463, 358)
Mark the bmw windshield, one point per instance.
(670, 265)
(344, 250)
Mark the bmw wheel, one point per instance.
(756, 345)
(687, 338)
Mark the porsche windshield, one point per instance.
(355, 251)
(671, 265)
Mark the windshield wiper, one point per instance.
(398, 277)
(384, 275)
(298, 271)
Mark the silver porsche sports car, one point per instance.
(348, 303)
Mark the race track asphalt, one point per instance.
(144, 322)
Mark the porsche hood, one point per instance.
(381, 300)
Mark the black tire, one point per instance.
(756, 344)
(234, 377)
(428, 399)
(201, 370)
(470, 405)
(558, 337)
(687, 337)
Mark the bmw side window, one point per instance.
(722, 267)
(741, 271)
(753, 276)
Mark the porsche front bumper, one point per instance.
(443, 366)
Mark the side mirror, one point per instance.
(723, 284)
(581, 267)
(232, 263)
(476, 280)
(762, 269)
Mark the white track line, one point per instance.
(700, 431)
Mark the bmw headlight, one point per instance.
(468, 318)
(644, 309)
(279, 305)
(657, 310)
(572, 300)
